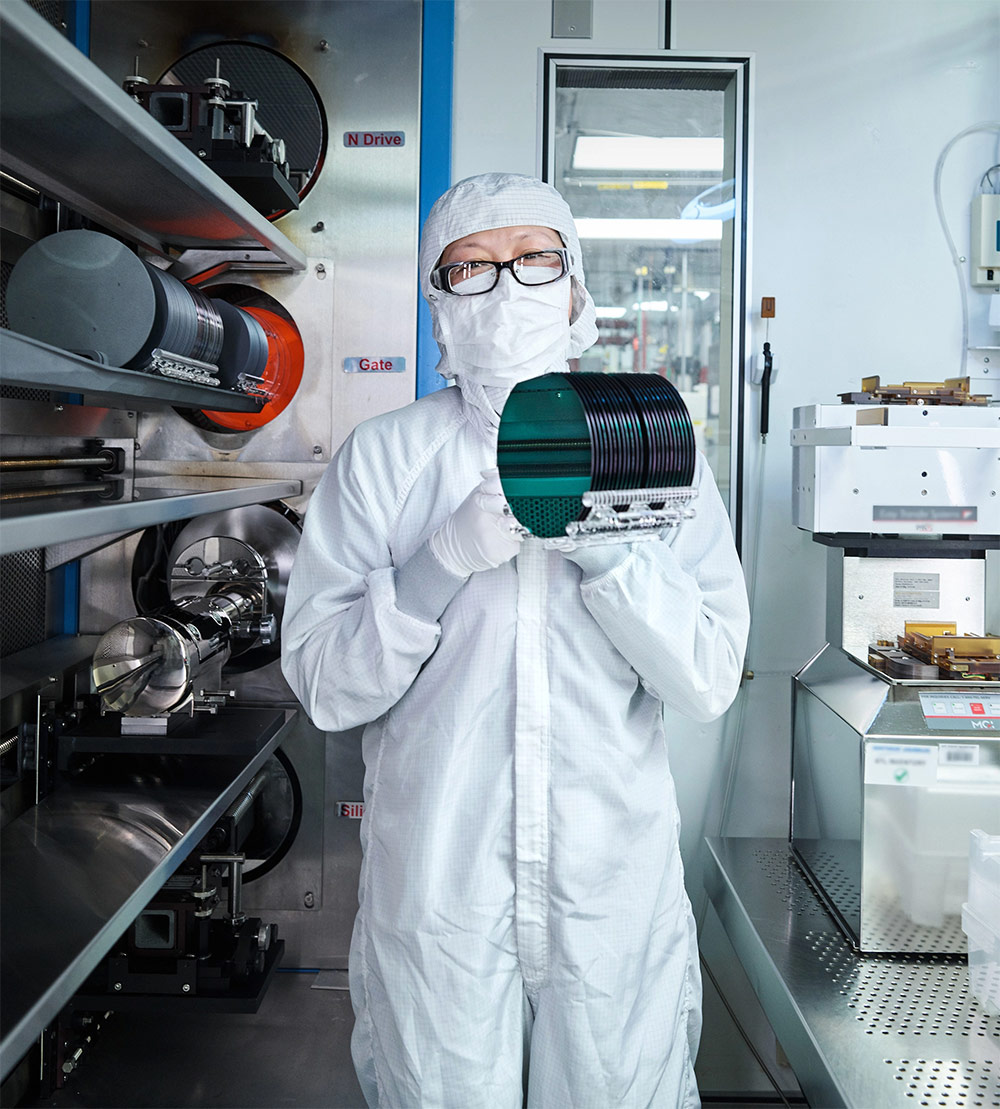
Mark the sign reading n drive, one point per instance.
(371, 139)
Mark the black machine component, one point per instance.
(179, 947)
(222, 127)
(97, 466)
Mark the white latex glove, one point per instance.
(480, 533)
(598, 558)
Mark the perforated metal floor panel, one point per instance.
(860, 1031)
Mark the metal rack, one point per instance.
(131, 839)
(72, 132)
(30, 363)
(81, 861)
(69, 130)
(154, 500)
(858, 1030)
(28, 527)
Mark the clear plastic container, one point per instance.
(984, 959)
(921, 838)
(984, 876)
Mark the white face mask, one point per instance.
(511, 334)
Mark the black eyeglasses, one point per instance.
(540, 267)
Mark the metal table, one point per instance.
(862, 1031)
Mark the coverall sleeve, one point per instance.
(347, 650)
(676, 609)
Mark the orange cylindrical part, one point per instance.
(282, 374)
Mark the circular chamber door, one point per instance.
(272, 531)
(277, 367)
(290, 109)
(279, 378)
(277, 817)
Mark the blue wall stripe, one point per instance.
(437, 60)
(70, 598)
(68, 588)
(78, 24)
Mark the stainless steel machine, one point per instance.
(896, 730)
(219, 262)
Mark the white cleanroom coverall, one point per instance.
(521, 891)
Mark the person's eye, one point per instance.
(547, 258)
(467, 270)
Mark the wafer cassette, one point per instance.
(596, 458)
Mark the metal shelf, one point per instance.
(29, 363)
(26, 526)
(79, 866)
(858, 1030)
(72, 132)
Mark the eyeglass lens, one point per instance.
(538, 268)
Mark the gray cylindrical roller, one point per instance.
(83, 291)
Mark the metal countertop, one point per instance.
(868, 1032)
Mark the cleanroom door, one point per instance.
(651, 153)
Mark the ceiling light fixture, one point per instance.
(636, 152)
(652, 230)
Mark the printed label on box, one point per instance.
(900, 764)
(916, 590)
(957, 754)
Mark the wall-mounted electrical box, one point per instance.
(985, 241)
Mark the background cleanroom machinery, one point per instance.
(852, 932)
(209, 278)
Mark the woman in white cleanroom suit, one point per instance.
(523, 916)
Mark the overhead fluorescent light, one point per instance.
(652, 230)
(645, 153)
(653, 306)
(610, 313)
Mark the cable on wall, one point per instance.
(958, 259)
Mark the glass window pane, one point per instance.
(646, 156)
